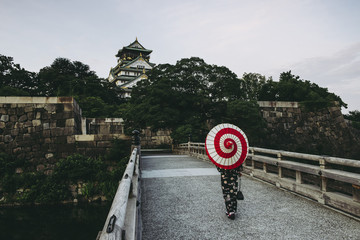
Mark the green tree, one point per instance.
(97, 97)
(292, 88)
(354, 117)
(185, 98)
(15, 79)
(251, 84)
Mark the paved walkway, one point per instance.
(182, 199)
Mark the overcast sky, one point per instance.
(319, 40)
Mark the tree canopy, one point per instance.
(292, 88)
(97, 97)
(188, 98)
(15, 80)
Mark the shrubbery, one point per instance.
(96, 177)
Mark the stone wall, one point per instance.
(151, 139)
(45, 129)
(293, 128)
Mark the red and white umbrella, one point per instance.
(227, 146)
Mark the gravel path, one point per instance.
(182, 199)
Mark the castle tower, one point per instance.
(133, 63)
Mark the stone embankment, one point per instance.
(293, 128)
(45, 129)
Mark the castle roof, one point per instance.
(134, 47)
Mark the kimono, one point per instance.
(229, 185)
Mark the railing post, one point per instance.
(265, 167)
(323, 185)
(281, 174)
(356, 193)
(252, 158)
(299, 177)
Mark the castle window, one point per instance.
(140, 66)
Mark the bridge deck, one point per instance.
(182, 199)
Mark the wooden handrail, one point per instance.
(124, 205)
(329, 180)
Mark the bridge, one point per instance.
(287, 196)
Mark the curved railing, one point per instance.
(122, 220)
(331, 181)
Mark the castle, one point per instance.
(133, 63)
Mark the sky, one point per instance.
(318, 40)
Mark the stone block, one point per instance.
(46, 133)
(9, 125)
(23, 118)
(45, 116)
(80, 138)
(2, 125)
(30, 115)
(69, 131)
(27, 124)
(4, 118)
(53, 124)
(11, 111)
(57, 132)
(38, 115)
(8, 138)
(13, 118)
(68, 107)
(36, 122)
(20, 111)
(70, 139)
(70, 122)
(28, 109)
(31, 130)
(14, 132)
(50, 108)
(46, 126)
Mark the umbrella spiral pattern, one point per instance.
(227, 146)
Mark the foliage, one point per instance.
(97, 176)
(14, 76)
(251, 84)
(120, 149)
(182, 98)
(354, 117)
(11, 91)
(292, 88)
(97, 97)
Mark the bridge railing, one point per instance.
(332, 181)
(122, 220)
